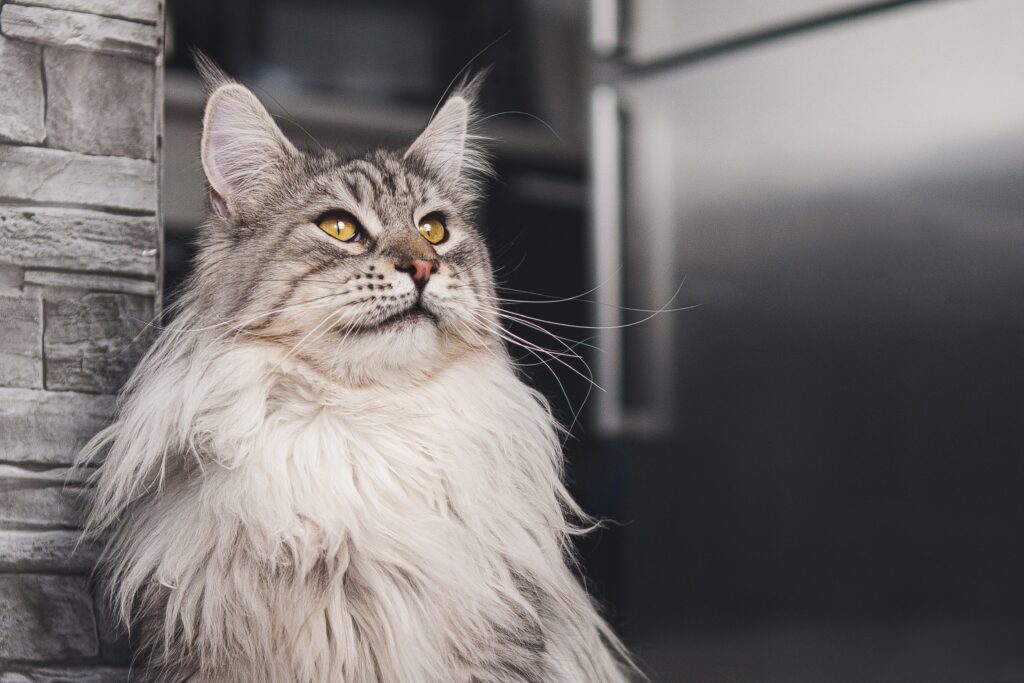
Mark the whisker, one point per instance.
(295, 348)
(654, 313)
(528, 322)
(571, 298)
(466, 66)
(554, 355)
(505, 300)
(575, 412)
(244, 322)
(527, 114)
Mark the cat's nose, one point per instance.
(419, 270)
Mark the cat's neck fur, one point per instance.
(347, 496)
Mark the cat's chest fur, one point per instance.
(394, 520)
(456, 459)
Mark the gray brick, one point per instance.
(80, 30)
(70, 674)
(39, 505)
(49, 427)
(51, 175)
(23, 101)
(147, 11)
(11, 277)
(97, 283)
(77, 476)
(92, 342)
(99, 104)
(21, 362)
(46, 617)
(78, 239)
(46, 550)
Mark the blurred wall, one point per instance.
(80, 140)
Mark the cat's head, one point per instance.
(360, 265)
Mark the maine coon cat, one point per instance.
(327, 468)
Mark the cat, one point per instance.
(327, 466)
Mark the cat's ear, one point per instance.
(241, 147)
(449, 147)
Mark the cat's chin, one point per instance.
(403, 346)
(399, 321)
(411, 333)
(416, 315)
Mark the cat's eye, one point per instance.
(340, 226)
(432, 228)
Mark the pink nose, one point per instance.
(420, 270)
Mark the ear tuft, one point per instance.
(450, 146)
(212, 75)
(242, 146)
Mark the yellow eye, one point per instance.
(433, 229)
(340, 226)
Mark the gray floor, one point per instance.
(932, 651)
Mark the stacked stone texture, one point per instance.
(80, 125)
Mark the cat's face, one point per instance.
(361, 266)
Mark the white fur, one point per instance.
(301, 530)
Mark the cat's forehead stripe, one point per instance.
(371, 183)
(370, 171)
(388, 181)
(363, 182)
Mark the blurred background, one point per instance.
(815, 471)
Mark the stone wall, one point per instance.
(80, 140)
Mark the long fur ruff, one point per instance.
(269, 525)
